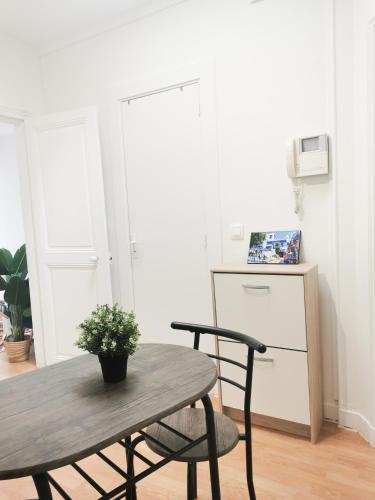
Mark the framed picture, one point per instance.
(274, 247)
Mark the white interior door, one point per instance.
(166, 204)
(69, 223)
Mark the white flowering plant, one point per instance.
(109, 331)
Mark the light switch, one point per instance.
(236, 231)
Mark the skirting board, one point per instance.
(270, 422)
(357, 422)
(347, 418)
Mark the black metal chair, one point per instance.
(175, 431)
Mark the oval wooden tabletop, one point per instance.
(62, 413)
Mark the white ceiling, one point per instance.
(48, 23)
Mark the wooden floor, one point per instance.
(340, 466)
(11, 369)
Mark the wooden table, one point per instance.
(63, 413)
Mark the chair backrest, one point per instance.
(252, 345)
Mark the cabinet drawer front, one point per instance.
(270, 308)
(280, 382)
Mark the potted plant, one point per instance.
(112, 334)
(15, 284)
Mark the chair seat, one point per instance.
(191, 422)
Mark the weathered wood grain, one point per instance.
(65, 412)
(191, 422)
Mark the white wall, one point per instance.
(11, 221)
(273, 82)
(20, 81)
(355, 202)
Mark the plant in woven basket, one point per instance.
(15, 284)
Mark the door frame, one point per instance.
(17, 117)
(202, 73)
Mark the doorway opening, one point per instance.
(12, 259)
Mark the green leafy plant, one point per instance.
(15, 283)
(109, 331)
(257, 239)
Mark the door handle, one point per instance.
(94, 259)
(133, 247)
(256, 287)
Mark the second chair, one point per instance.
(175, 431)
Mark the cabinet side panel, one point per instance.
(313, 351)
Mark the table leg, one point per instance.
(131, 492)
(42, 487)
(212, 450)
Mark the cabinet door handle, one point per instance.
(263, 360)
(256, 287)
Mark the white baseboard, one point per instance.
(346, 418)
(357, 422)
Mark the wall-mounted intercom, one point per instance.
(307, 156)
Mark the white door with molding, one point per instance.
(165, 180)
(65, 175)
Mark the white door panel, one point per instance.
(65, 187)
(70, 224)
(166, 196)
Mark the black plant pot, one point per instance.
(114, 368)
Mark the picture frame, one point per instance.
(274, 247)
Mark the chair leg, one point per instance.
(192, 481)
(212, 450)
(249, 468)
(195, 480)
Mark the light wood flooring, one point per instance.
(11, 369)
(340, 466)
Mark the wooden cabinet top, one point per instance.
(287, 269)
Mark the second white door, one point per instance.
(166, 203)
